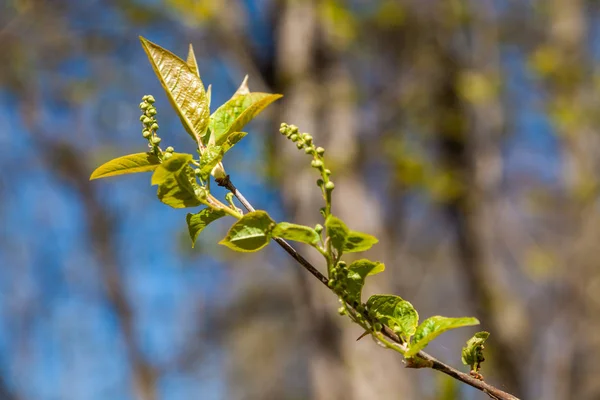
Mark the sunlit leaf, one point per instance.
(197, 222)
(357, 273)
(232, 140)
(298, 233)
(345, 240)
(170, 166)
(433, 327)
(251, 233)
(358, 241)
(177, 186)
(183, 87)
(210, 158)
(472, 353)
(237, 112)
(337, 232)
(396, 313)
(130, 164)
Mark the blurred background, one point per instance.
(462, 133)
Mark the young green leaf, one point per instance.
(177, 186)
(298, 233)
(170, 166)
(472, 353)
(396, 313)
(345, 240)
(358, 241)
(238, 111)
(232, 140)
(197, 222)
(130, 164)
(183, 87)
(337, 232)
(210, 158)
(180, 190)
(357, 273)
(433, 327)
(250, 233)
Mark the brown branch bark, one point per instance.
(429, 361)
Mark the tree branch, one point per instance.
(426, 360)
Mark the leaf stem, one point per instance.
(420, 360)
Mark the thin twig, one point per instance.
(423, 360)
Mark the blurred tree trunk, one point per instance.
(466, 144)
(572, 106)
(320, 100)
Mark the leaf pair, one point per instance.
(345, 240)
(401, 316)
(254, 231)
(184, 88)
(472, 353)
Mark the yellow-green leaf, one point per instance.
(251, 233)
(231, 141)
(433, 327)
(238, 111)
(298, 233)
(210, 158)
(183, 87)
(197, 222)
(358, 241)
(395, 312)
(170, 166)
(177, 186)
(357, 273)
(129, 164)
(472, 353)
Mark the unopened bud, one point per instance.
(156, 140)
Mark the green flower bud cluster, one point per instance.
(374, 321)
(305, 141)
(150, 125)
(337, 278)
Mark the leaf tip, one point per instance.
(243, 89)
